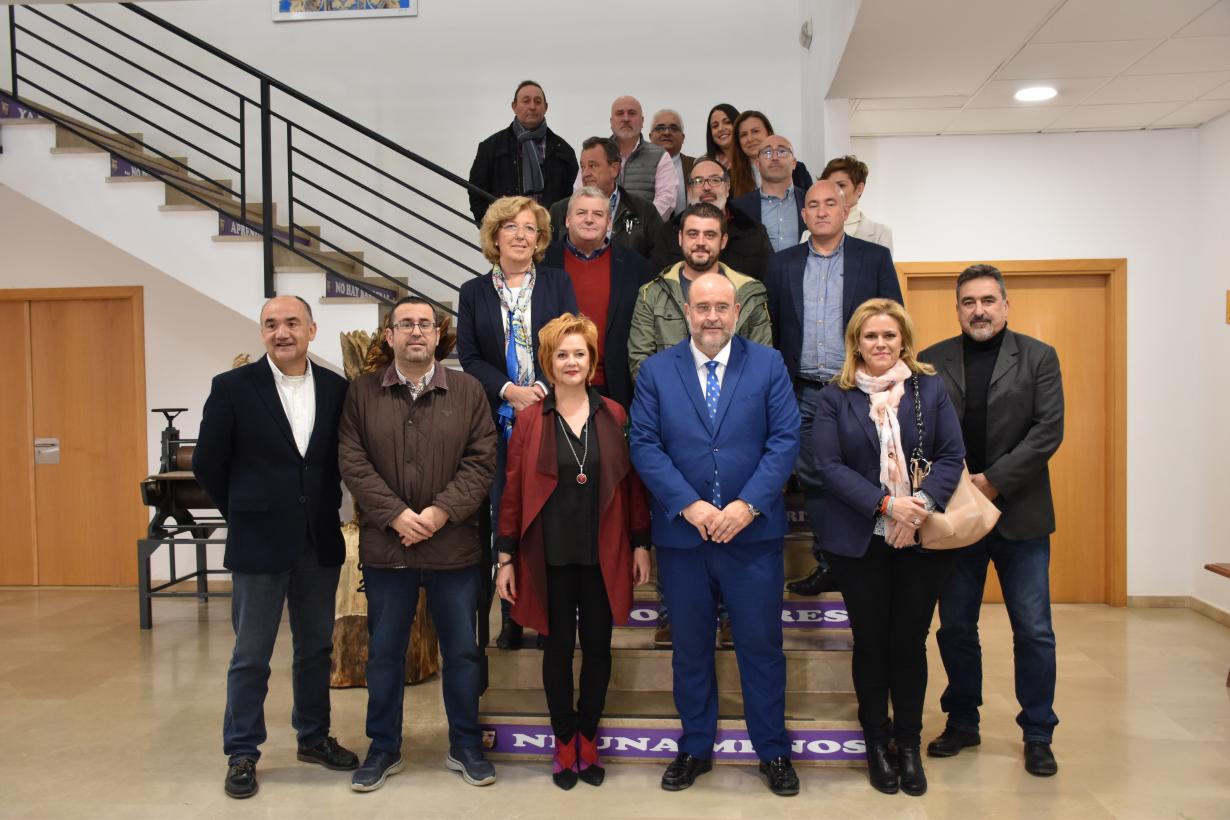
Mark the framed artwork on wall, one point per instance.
(288, 10)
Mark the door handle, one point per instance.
(46, 450)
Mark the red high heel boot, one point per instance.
(564, 764)
(590, 765)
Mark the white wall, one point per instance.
(1208, 309)
(1134, 195)
(188, 337)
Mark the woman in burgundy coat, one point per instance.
(573, 537)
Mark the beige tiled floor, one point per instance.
(99, 719)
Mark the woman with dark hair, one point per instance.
(751, 127)
(573, 537)
(720, 134)
(866, 430)
(498, 319)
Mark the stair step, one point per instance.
(175, 196)
(644, 726)
(124, 168)
(69, 142)
(649, 670)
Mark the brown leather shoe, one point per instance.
(662, 637)
(725, 639)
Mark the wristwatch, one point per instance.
(755, 512)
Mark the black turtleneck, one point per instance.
(979, 365)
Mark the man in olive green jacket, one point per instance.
(658, 322)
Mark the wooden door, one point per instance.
(18, 549)
(84, 351)
(1076, 307)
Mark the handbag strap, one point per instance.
(920, 467)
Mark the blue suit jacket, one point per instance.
(868, 274)
(847, 451)
(480, 327)
(753, 442)
(275, 501)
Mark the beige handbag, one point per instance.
(967, 517)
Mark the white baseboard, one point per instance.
(1181, 602)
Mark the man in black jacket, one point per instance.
(634, 222)
(267, 456)
(524, 159)
(747, 249)
(1007, 390)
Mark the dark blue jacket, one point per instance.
(847, 452)
(869, 274)
(275, 501)
(750, 205)
(629, 270)
(753, 443)
(480, 327)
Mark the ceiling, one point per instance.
(952, 66)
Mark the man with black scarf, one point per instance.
(525, 159)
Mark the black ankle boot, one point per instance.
(913, 778)
(510, 634)
(880, 769)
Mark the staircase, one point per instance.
(226, 179)
(640, 722)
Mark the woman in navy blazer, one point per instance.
(863, 437)
(498, 319)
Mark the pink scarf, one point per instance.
(885, 393)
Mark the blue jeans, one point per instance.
(392, 599)
(256, 613)
(808, 395)
(1022, 567)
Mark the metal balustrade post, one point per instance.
(266, 188)
(13, 48)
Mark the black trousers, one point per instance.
(576, 596)
(890, 596)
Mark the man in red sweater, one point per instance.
(606, 278)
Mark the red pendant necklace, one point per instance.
(581, 477)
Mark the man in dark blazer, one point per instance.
(666, 132)
(606, 278)
(1008, 392)
(813, 290)
(778, 203)
(267, 455)
(525, 159)
(714, 435)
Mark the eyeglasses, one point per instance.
(781, 152)
(704, 308)
(666, 128)
(712, 182)
(512, 229)
(423, 326)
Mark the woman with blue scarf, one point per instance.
(498, 319)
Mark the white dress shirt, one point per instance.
(702, 372)
(298, 395)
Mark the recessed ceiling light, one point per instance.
(1036, 93)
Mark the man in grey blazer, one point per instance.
(1007, 389)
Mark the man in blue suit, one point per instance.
(267, 455)
(715, 433)
(813, 290)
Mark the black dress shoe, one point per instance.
(951, 741)
(880, 769)
(510, 634)
(782, 778)
(683, 771)
(1039, 761)
(909, 764)
(330, 754)
(820, 580)
(241, 778)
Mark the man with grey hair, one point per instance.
(266, 454)
(633, 220)
(646, 170)
(606, 276)
(666, 132)
(1007, 389)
